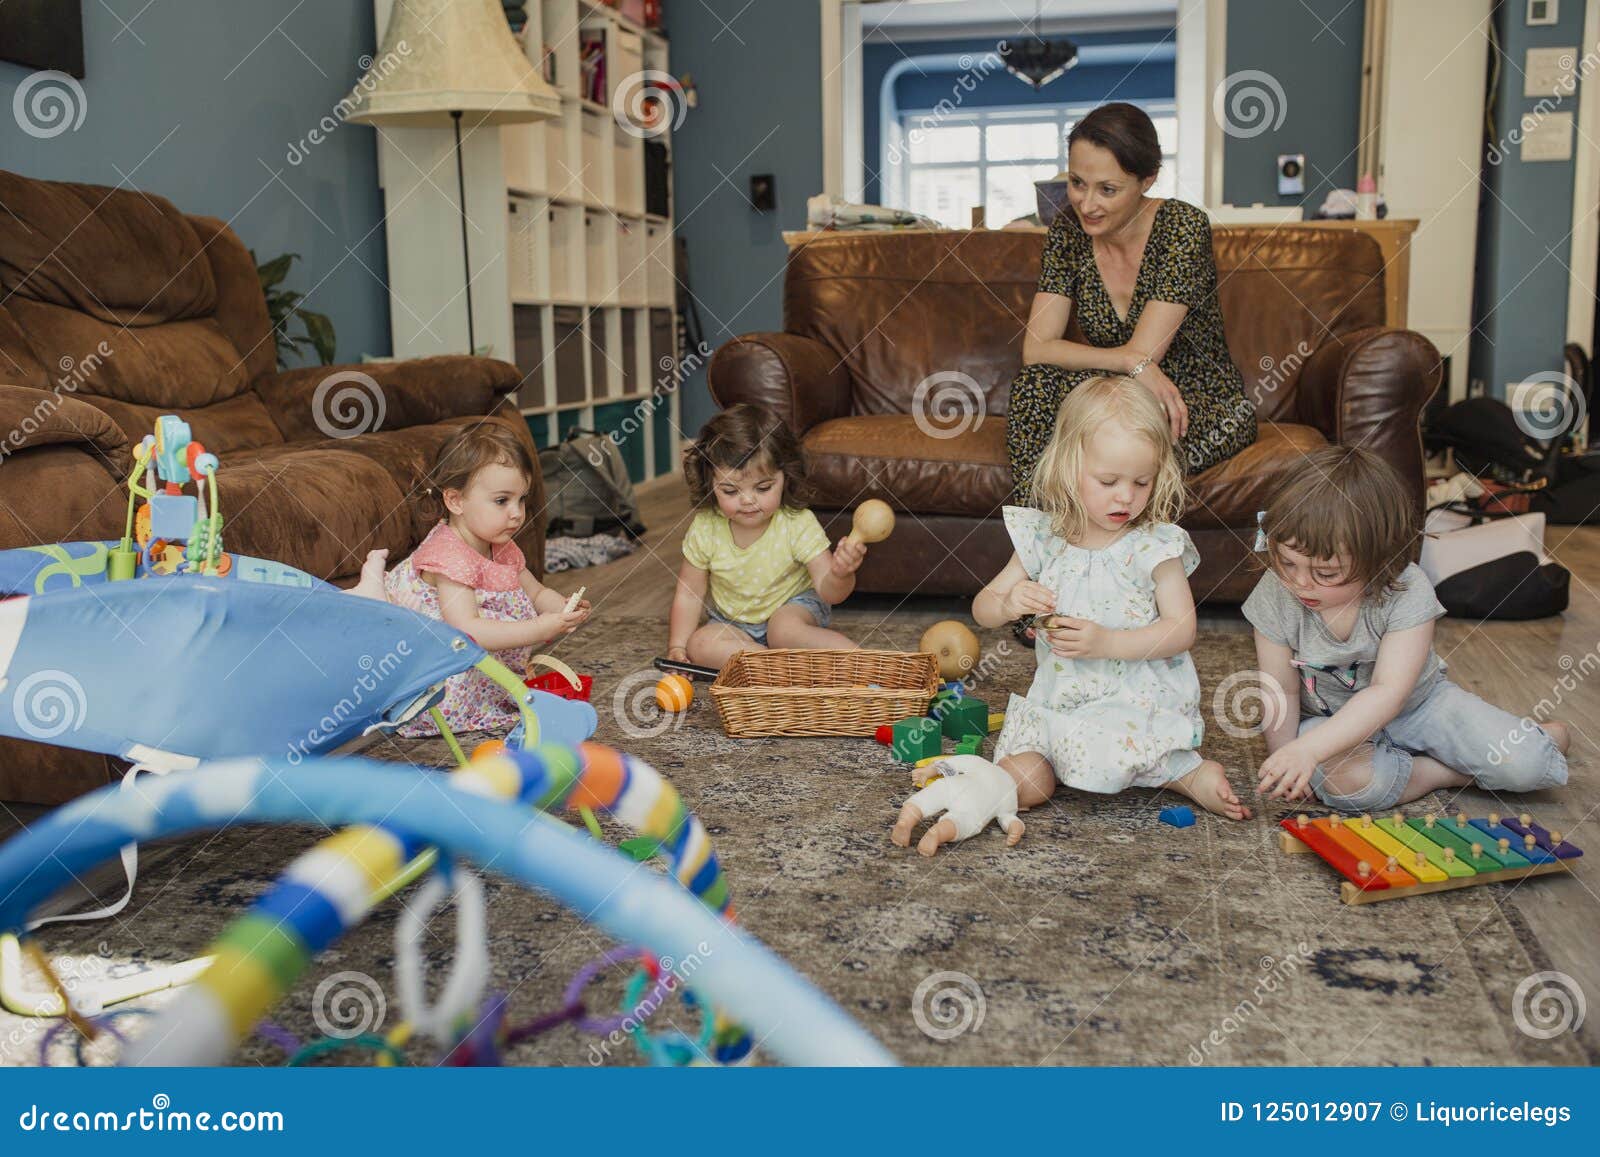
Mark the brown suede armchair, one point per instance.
(116, 308)
(870, 318)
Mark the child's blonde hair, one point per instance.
(1091, 404)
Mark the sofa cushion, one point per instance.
(318, 508)
(224, 428)
(890, 456)
(122, 256)
(1230, 493)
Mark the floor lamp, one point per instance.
(445, 63)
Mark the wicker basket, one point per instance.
(807, 692)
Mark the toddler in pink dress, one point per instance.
(469, 573)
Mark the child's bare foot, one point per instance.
(1559, 732)
(910, 817)
(1208, 786)
(370, 585)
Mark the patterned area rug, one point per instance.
(1104, 938)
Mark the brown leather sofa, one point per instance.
(115, 308)
(870, 318)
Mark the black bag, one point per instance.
(587, 488)
(1487, 441)
(1513, 586)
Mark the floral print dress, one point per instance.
(472, 702)
(1179, 265)
(1105, 724)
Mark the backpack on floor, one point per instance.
(1492, 568)
(587, 490)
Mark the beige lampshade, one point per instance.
(445, 56)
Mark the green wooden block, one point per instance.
(916, 738)
(964, 716)
(970, 745)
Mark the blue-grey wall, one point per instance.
(1311, 50)
(922, 89)
(1525, 224)
(200, 101)
(757, 72)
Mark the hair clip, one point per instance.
(1261, 530)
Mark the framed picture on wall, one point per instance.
(43, 34)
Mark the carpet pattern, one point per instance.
(1104, 938)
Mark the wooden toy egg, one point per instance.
(955, 645)
(873, 521)
(674, 693)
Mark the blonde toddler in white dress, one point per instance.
(1116, 701)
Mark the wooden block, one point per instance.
(1318, 840)
(1413, 838)
(1525, 826)
(1498, 831)
(1384, 844)
(1467, 836)
(1344, 834)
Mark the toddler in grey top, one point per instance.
(1360, 712)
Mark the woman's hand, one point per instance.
(1156, 381)
(1028, 598)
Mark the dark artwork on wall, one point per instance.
(43, 34)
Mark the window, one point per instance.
(944, 165)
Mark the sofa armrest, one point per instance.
(358, 399)
(1367, 388)
(31, 417)
(797, 377)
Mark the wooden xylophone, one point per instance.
(1395, 857)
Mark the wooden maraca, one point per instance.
(873, 522)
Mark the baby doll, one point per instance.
(972, 792)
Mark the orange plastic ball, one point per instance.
(489, 747)
(674, 693)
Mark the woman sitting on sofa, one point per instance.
(1141, 273)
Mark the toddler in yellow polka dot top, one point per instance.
(753, 547)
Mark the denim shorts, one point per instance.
(809, 599)
(1499, 750)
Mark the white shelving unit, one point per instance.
(571, 279)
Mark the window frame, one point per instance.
(897, 177)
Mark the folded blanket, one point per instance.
(572, 553)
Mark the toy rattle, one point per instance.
(873, 522)
(955, 645)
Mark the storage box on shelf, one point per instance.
(572, 280)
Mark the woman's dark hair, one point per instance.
(740, 436)
(1125, 130)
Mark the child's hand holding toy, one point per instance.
(1028, 598)
(1072, 638)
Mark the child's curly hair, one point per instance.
(1090, 405)
(1344, 500)
(741, 436)
(469, 450)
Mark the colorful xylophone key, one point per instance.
(1550, 841)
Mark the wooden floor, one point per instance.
(1516, 665)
